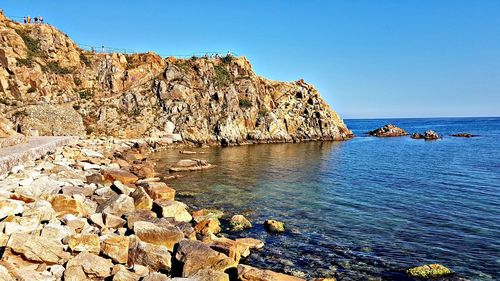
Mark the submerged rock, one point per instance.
(274, 226)
(388, 131)
(428, 271)
(248, 273)
(187, 165)
(462, 135)
(239, 222)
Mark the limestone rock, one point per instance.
(89, 266)
(204, 214)
(196, 256)
(251, 243)
(84, 243)
(159, 191)
(173, 209)
(37, 248)
(159, 234)
(118, 174)
(10, 207)
(231, 248)
(63, 205)
(117, 205)
(153, 256)
(208, 226)
(116, 247)
(142, 201)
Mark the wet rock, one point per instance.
(117, 205)
(159, 190)
(195, 256)
(116, 247)
(187, 165)
(142, 201)
(123, 176)
(150, 255)
(84, 243)
(231, 248)
(388, 131)
(172, 209)
(239, 222)
(274, 226)
(208, 226)
(87, 266)
(204, 214)
(159, 234)
(248, 273)
(251, 243)
(37, 248)
(10, 207)
(428, 271)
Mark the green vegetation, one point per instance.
(222, 77)
(227, 59)
(77, 81)
(86, 94)
(84, 59)
(31, 43)
(244, 103)
(263, 112)
(25, 62)
(55, 68)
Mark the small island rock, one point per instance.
(462, 135)
(428, 135)
(388, 131)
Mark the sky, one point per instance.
(368, 59)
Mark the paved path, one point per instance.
(35, 148)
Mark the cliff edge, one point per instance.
(50, 86)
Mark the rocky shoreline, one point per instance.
(96, 209)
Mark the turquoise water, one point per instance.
(368, 208)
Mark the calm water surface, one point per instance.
(368, 208)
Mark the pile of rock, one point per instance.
(428, 135)
(97, 210)
(388, 131)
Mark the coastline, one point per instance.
(86, 202)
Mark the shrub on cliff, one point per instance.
(244, 103)
(222, 77)
(55, 68)
(31, 43)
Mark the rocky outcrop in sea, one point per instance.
(388, 131)
(50, 86)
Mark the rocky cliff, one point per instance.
(49, 86)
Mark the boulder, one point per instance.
(231, 248)
(150, 255)
(110, 175)
(195, 256)
(204, 214)
(37, 248)
(428, 271)
(159, 190)
(162, 234)
(388, 131)
(207, 227)
(172, 209)
(248, 273)
(139, 215)
(142, 201)
(117, 205)
(84, 243)
(64, 205)
(89, 266)
(462, 135)
(251, 243)
(187, 165)
(125, 275)
(239, 222)
(10, 207)
(274, 226)
(116, 247)
(428, 135)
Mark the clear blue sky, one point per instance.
(397, 58)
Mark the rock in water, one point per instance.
(239, 222)
(388, 131)
(428, 135)
(196, 256)
(274, 226)
(428, 271)
(187, 165)
(462, 135)
(248, 273)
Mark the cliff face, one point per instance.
(51, 86)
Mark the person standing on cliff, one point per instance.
(29, 19)
(25, 20)
(40, 18)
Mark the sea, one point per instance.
(364, 209)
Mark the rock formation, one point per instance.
(388, 131)
(200, 100)
(428, 135)
(462, 135)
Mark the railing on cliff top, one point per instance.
(112, 50)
